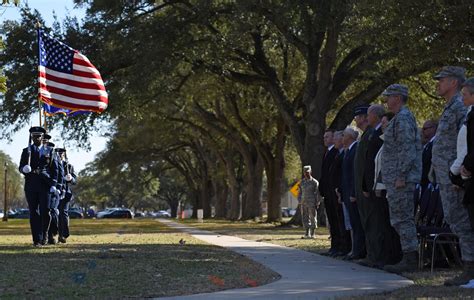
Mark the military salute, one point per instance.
(47, 180)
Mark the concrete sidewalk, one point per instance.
(304, 275)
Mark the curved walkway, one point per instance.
(304, 275)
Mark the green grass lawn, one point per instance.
(119, 259)
(427, 285)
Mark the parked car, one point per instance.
(106, 211)
(121, 213)
(139, 215)
(162, 214)
(75, 213)
(1, 213)
(23, 213)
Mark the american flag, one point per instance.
(67, 79)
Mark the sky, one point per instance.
(78, 157)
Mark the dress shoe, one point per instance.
(366, 263)
(329, 253)
(52, 241)
(37, 244)
(338, 253)
(62, 239)
(354, 257)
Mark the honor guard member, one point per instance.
(44, 144)
(34, 187)
(70, 178)
(401, 170)
(308, 198)
(50, 176)
(52, 159)
(450, 80)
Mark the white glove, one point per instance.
(68, 177)
(26, 169)
(53, 190)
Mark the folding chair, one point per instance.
(434, 231)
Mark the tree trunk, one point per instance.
(221, 192)
(196, 204)
(314, 144)
(254, 182)
(234, 212)
(174, 208)
(275, 167)
(205, 196)
(273, 193)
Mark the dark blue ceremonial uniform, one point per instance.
(50, 175)
(57, 174)
(64, 203)
(35, 190)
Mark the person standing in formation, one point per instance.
(401, 170)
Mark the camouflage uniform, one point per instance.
(401, 159)
(444, 154)
(308, 197)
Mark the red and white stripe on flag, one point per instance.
(67, 79)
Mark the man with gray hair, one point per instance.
(348, 195)
(401, 170)
(309, 199)
(449, 83)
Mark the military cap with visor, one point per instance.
(360, 110)
(396, 89)
(451, 71)
(37, 130)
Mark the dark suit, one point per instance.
(426, 165)
(347, 191)
(342, 238)
(55, 198)
(380, 239)
(329, 197)
(64, 204)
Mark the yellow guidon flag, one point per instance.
(295, 188)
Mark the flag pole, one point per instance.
(40, 111)
(38, 26)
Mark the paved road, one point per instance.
(304, 275)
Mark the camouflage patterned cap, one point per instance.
(469, 83)
(396, 89)
(451, 71)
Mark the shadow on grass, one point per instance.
(123, 270)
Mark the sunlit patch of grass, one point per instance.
(118, 259)
(270, 233)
